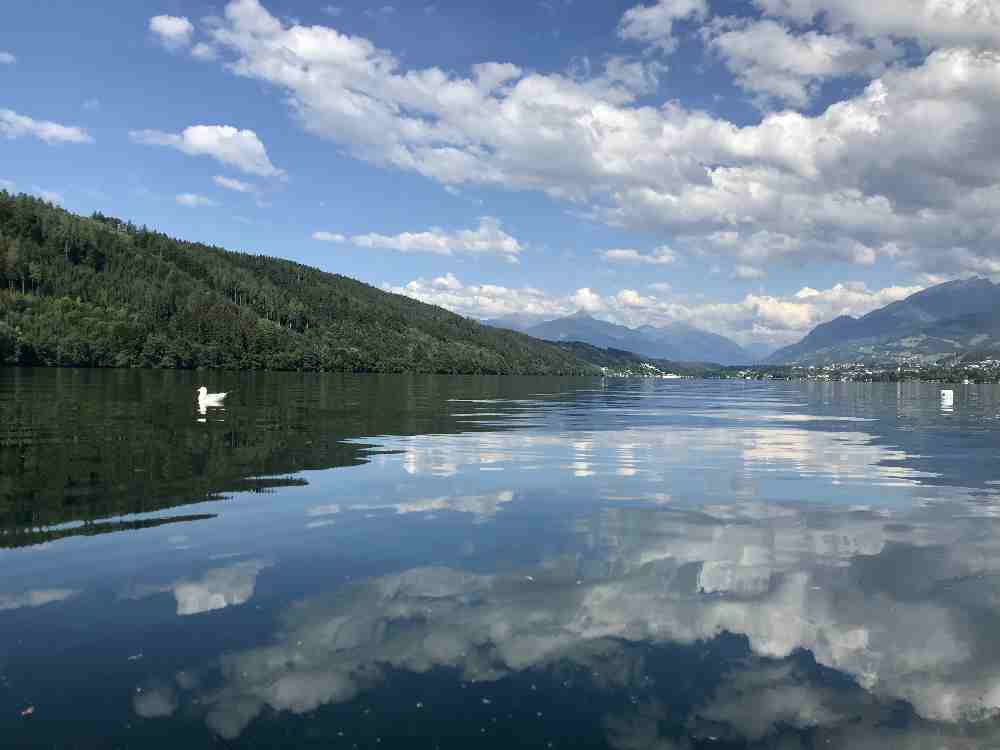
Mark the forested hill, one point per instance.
(99, 292)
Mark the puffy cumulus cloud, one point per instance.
(173, 32)
(588, 300)
(241, 149)
(329, 237)
(486, 239)
(890, 172)
(204, 52)
(772, 61)
(933, 23)
(776, 320)
(485, 300)
(631, 298)
(14, 125)
(448, 281)
(193, 200)
(230, 183)
(661, 256)
(7, 58)
(761, 318)
(654, 24)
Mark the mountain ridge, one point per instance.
(679, 342)
(948, 320)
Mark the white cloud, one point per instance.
(773, 61)
(230, 183)
(933, 23)
(241, 149)
(903, 171)
(173, 32)
(485, 300)
(7, 58)
(193, 200)
(588, 300)
(14, 125)
(661, 256)
(92, 104)
(329, 237)
(654, 24)
(333, 10)
(204, 52)
(487, 239)
(448, 281)
(7, 185)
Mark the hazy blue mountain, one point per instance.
(677, 342)
(599, 333)
(515, 322)
(692, 344)
(759, 352)
(954, 319)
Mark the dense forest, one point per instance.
(100, 292)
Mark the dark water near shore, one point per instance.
(431, 562)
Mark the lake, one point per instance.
(434, 562)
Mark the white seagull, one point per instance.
(210, 399)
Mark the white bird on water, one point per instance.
(210, 399)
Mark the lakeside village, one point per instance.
(983, 371)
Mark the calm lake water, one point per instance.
(429, 562)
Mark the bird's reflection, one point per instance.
(204, 408)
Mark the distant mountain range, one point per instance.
(952, 321)
(677, 342)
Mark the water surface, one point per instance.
(378, 562)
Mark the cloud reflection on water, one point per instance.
(787, 578)
(889, 583)
(216, 588)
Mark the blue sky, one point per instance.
(753, 167)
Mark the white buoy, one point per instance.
(947, 398)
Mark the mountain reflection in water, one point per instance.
(633, 565)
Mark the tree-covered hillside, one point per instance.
(100, 292)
